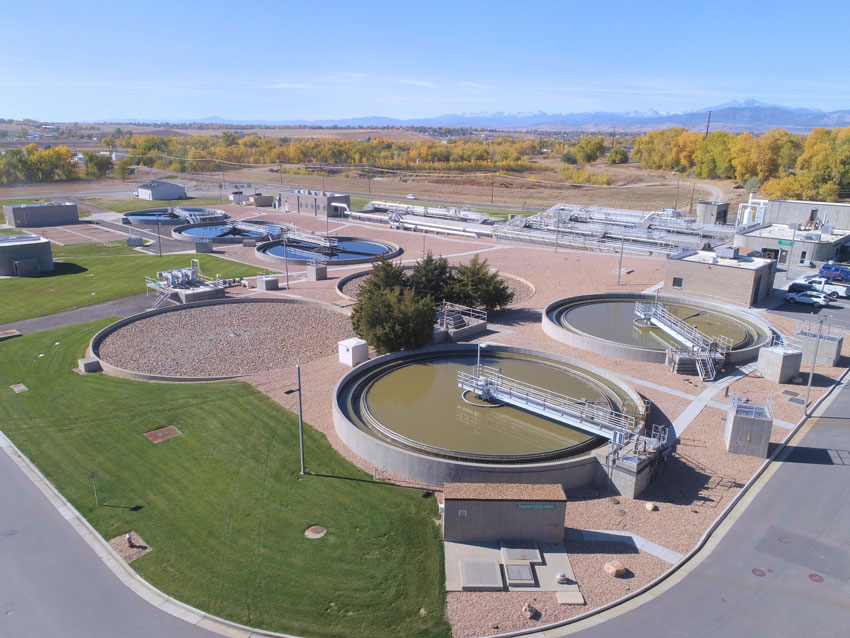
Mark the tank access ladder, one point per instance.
(491, 385)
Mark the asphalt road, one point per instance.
(783, 567)
(124, 307)
(54, 586)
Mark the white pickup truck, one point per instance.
(831, 288)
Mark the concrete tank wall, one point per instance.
(23, 250)
(570, 472)
(599, 345)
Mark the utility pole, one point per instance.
(492, 189)
(280, 172)
(676, 205)
(812, 373)
(708, 123)
(159, 234)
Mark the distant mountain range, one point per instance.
(735, 116)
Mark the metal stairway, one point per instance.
(703, 349)
(490, 384)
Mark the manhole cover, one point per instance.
(620, 512)
(816, 578)
(315, 531)
(758, 572)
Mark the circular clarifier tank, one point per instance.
(172, 216)
(228, 232)
(407, 414)
(341, 251)
(609, 325)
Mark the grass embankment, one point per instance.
(223, 505)
(126, 205)
(87, 274)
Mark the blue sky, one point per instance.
(289, 60)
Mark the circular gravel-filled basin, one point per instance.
(222, 340)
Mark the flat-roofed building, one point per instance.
(46, 214)
(313, 202)
(789, 245)
(723, 274)
(158, 190)
(503, 511)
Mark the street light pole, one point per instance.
(300, 416)
(812, 372)
(300, 419)
(286, 260)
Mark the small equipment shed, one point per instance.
(504, 511)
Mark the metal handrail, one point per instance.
(483, 378)
(692, 333)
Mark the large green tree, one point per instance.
(385, 275)
(431, 277)
(475, 285)
(393, 319)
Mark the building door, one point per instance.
(770, 253)
(803, 255)
(783, 256)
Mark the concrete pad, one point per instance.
(520, 552)
(8, 334)
(569, 598)
(19, 387)
(481, 575)
(519, 575)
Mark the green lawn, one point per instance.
(87, 274)
(11, 231)
(125, 205)
(223, 505)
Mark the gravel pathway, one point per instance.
(227, 340)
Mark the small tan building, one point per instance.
(722, 274)
(503, 511)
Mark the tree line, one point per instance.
(200, 153)
(55, 163)
(782, 165)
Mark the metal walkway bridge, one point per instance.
(491, 385)
(705, 350)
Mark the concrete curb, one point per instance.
(116, 564)
(682, 568)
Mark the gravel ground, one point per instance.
(227, 339)
(475, 613)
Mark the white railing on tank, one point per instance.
(656, 313)
(487, 381)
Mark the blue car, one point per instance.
(835, 271)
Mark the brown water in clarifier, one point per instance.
(423, 402)
(615, 321)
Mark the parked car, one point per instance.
(831, 287)
(836, 271)
(411, 196)
(808, 296)
(800, 286)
